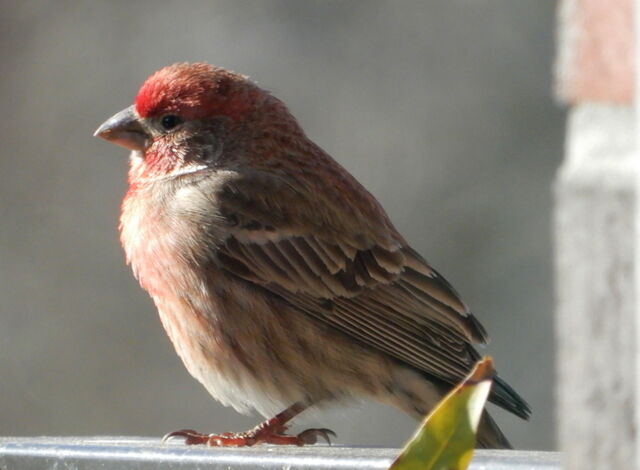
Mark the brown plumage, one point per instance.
(278, 277)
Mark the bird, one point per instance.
(280, 280)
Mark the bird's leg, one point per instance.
(272, 431)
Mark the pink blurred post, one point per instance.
(596, 233)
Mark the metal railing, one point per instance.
(115, 453)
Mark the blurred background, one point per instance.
(442, 109)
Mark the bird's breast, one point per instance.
(164, 246)
(159, 246)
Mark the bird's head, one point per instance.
(188, 117)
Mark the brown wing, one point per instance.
(367, 284)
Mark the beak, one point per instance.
(124, 129)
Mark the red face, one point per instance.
(178, 119)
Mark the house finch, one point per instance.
(280, 280)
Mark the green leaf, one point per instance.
(447, 437)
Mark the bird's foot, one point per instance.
(265, 433)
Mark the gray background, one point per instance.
(442, 109)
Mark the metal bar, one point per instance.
(115, 453)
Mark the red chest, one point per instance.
(150, 243)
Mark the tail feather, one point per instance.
(503, 395)
(489, 435)
(417, 396)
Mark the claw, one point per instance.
(249, 438)
(190, 436)
(272, 431)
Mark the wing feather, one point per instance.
(355, 274)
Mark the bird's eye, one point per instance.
(170, 121)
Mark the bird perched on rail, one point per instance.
(279, 278)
